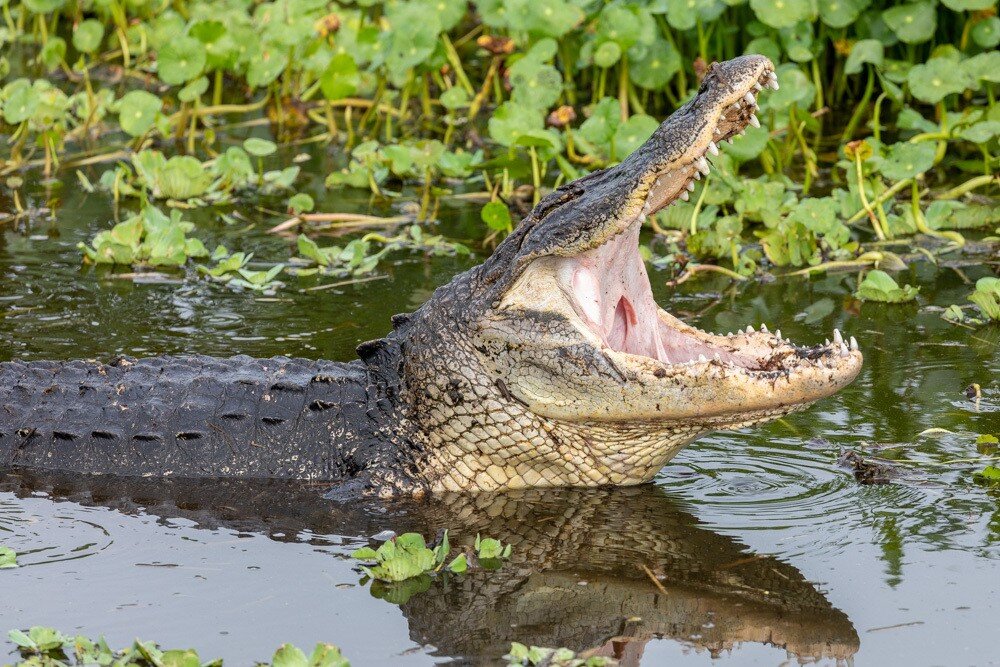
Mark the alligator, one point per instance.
(601, 571)
(549, 364)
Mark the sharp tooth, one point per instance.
(763, 327)
(837, 338)
(826, 342)
(772, 80)
(702, 359)
(753, 120)
(702, 165)
(843, 350)
(690, 186)
(742, 131)
(718, 131)
(712, 148)
(729, 335)
(777, 334)
(697, 175)
(758, 87)
(749, 329)
(750, 100)
(854, 344)
(685, 196)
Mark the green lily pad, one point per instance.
(749, 146)
(496, 215)
(259, 147)
(932, 81)
(340, 78)
(764, 46)
(913, 22)
(511, 120)
(624, 24)
(983, 66)
(633, 133)
(137, 111)
(651, 66)
(684, 14)
(44, 6)
(455, 98)
(180, 60)
(535, 83)
(986, 33)
(968, 5)
(266, 68)
(300, 202)
(841, 13)
(870, 51)
(906, 160)
(552, 18)
(782, 13)
(987, 297)
(193, 90)
(20, 101)
(88, 35)
(8, 558)
(879, 286)
(607, 54)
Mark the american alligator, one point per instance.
(718, 594)
(550, 364)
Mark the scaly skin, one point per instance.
(547, 365)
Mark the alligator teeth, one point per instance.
(763, 327)
(702, 165)
(843, 350)
(837, 338)
(702, 359)
(736, 108)
(854, 344)
(685, 196)
(749, 329)
(751, 100)
(718, 131)
(712, 148)
(697, 175)
(772, 80)
(690, 186)
(777, 334)
(753, 120)
(826, 342)
(729, 335)
(758, 87)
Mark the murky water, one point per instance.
(767, 550)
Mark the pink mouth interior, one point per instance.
(610, 291)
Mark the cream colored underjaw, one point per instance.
(679, 183)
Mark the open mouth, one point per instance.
(610, 290)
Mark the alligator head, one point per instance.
(551, 364)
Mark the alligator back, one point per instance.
(191, 416)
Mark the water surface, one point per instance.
(768, 551)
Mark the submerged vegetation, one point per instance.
(503, 99)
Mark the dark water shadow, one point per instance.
(581, 573)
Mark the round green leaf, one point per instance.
(88, 35)
(932, 81)
(986, 33)
(20, 101)
(985, 66)
(340, 78)
(764, 46)
(265, 68)
(496, 215)
(259, 147)
(43, 6)
(864, 51)
(455, 98)
(841, 13)
(181, 60)
(137, 112)
(969, 5)
(913, 22)
(607, 54)
(782, 13)
(906, 160)
(632, 133)
(300, 202)
(652, 66)
(193, 90)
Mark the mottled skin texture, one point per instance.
(499, 381)
(719, 595)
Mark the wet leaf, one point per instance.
(496, 215)
(340, 78)
(879, 286)
(989, 474)
(289, 656)
(8, 558)
(459, 565)
(987, 297)
(782, 13)
(986, 32)
(300, 202)
(651, 66)
(841, 13)
(259, 147)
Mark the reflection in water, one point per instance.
(578, 575)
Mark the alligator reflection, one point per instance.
(577, 576)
